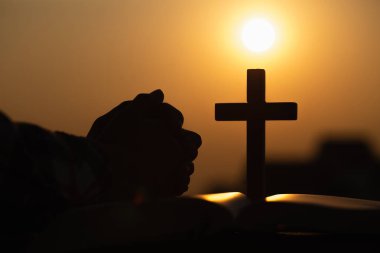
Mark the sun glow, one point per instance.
(258, 35)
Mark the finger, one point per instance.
(171, 116)
(190, 168)
(193, 138)
(183, 177)
(190, 142)
(101, 123)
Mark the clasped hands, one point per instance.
(148, 152)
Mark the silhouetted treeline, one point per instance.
(342, 167)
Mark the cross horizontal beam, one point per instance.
(255, 111)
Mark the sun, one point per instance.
(258, 35)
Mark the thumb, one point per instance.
(158, 95)
(148, 102)
(153, 98)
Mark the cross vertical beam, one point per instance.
(256, 137)
(256, 86)
(256, 111)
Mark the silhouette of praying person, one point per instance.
(135, 153)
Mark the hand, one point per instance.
(149, 153)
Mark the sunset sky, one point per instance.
(65, 62)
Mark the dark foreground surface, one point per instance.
(242, 241)
(254, 242)
(226, 221)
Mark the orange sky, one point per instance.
(65, 62)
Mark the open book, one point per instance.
(300, 212)
(206, 216)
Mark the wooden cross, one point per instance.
(256, 111)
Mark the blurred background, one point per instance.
(63, 63)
